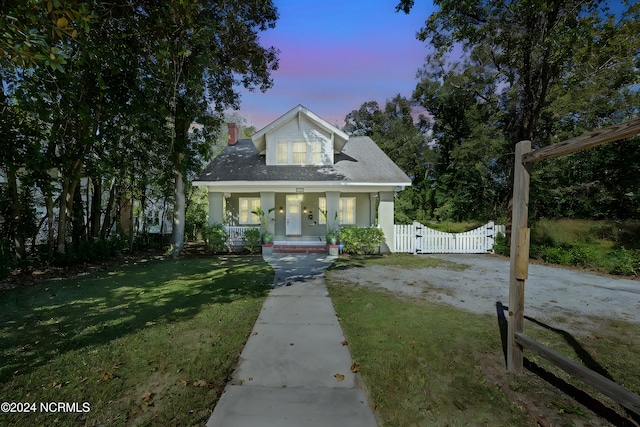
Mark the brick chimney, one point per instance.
(233, 134)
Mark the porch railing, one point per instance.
(236, 234)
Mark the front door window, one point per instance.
(293, 216)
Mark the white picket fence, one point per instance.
(420, 239)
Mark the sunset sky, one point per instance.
(336, 55)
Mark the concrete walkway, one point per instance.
(294, 370)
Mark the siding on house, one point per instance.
(300, 129)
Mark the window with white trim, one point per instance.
(316, 152)
(247, 206)
(283, 152)
(322, 207)
(299, 153)
(346, 210)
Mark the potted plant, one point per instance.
(267, 236)
(332, 239)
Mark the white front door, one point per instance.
(294, 216)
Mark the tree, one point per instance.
(32, 28)
(405, 141)
(524, 47)
(542, 71)
(78, 80)
(200, 51)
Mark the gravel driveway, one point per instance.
(575, 298)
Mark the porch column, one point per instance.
(216, 208)
(333, 204)
(268, 203)
(373, 200)
(385, 220)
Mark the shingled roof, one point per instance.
(361, 161)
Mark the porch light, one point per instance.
(281, 210)
(305, 209)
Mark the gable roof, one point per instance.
(339, 137)
(361, 162)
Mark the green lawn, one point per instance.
(431, 364)
(146, 344)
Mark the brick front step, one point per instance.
(300, 249)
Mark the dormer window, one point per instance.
(299, 138)
(299, 153)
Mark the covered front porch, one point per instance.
(281, 244)
(301, 217)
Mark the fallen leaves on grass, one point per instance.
(106, 377)
(355, 367)
(202, 383)
(345, 342)
(147, 396)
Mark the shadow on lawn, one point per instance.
(579, 395)
(40, 322)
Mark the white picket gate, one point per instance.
(420, 239)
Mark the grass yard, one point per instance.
(608, 246)
(431, 364)
(146, 344)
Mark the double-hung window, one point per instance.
(299, 153)
(316, 152)
(247, 206)
(346, 210)
(283, 152)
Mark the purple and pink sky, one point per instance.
(336, 55)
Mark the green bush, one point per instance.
(582, 256)
(215, 238)
(92, 251)
(500, 246)
(555, 255)
(252, 238)
(361, 240)
(625, 262)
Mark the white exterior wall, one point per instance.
(299, 129)
(385, 220)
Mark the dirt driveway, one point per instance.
(574, 299)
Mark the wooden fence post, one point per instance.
(518, 256)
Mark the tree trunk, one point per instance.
(177, 235)
(107, 223)
(77, 220)
(96, 207)
(69, 185)
(179, 146)
(16, 213)
(50, 231)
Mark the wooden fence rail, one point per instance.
(625, 397)
(516, 339)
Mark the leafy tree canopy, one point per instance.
(505, 71)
